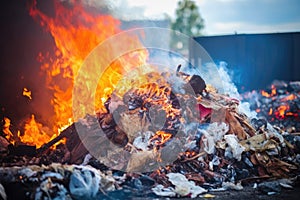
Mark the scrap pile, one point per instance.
(166, 142)
(280, 104)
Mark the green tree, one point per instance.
(188, 21)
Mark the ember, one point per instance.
(27, 93)
(281, 107)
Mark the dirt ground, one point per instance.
(247, 193)
(252, 194)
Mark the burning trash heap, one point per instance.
(156, 139)
(279, 105)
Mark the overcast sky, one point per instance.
(229, 16)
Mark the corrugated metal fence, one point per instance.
(255, 59)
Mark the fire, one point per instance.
(266, 94)
(120, 76)
(152, 89)
(270, 111)
(281, 110)
(6, 130)
(27, 93)
(291, 97)
(161, 137)
(75, 32)
(155, 90)
(34, 133)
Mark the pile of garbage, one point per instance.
(220, 148)
(279, 104)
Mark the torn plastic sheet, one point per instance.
(272, 132)
(51, 190)
(232, 186)
(213, 133)
(84, 184)
(236, 148)
(215, 162)
(183, 186)
(160, 190)
(141, 142)
(275, 186)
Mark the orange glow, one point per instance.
(189, 154)
(281, 110)
(27, 93)
(266, 94)
(115, 77)
(155, 90)
(257, 110)
(34, 133)
(291, 97)
(270, 111)
(161, 137)
(6, 130)
(75, 32)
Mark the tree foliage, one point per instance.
(188, 19)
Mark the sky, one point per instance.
(227, 16)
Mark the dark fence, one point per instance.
(255, 59)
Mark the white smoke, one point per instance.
(230, 89)
(218, 76)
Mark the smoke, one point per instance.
(215, 75)
(230, 89)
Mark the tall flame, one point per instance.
(34, 133)
(6, 130)
(75, 32)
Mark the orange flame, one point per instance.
(266, 94)
(270, 111)
(75, 32)
(27, 93)
(34, 133)
(291, 97)
(161, 137)
(115, 77)
(6, 130)
(155, 90)
(281, 110)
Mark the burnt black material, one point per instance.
(197, 83)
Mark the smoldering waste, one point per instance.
(156, 140)
(279, 104)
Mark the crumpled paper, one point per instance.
(183, 187)
(234, 146)
(84, 183)
(213, 133)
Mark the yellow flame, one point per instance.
(6, 130)
(27, 93)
